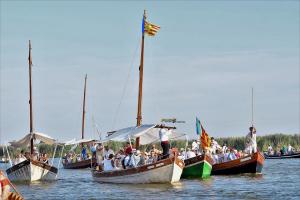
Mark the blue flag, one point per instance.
(198, 126)
(143, 25)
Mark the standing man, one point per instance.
(164, 141)
(251, 140)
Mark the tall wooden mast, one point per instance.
(252, 108)
(30, 99)
(140, 96)
(83, 108)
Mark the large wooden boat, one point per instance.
(167, 170)
(30, 169)
(84, 163)
(197, 167)
(164, 171)
(248, 164)
(292, 155)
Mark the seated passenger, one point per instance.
(226, 154)
(231, 155)
(129, 161)
(190, 154)
(109, 163)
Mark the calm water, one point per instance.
(280, 180)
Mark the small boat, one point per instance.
(248, 164)
(167, 170)
(81, 164)
(29, 168)
(197, 167)
(84, 163)
(292, 155)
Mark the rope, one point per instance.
(125, 87)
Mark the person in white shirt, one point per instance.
(226, 155)
(231, 155)
(270, 150)
(164, 141)
(109, 163)
(107, 151)
(195, 146)
(214, 145)
(251, 145)
(224, 148)
(190, 154)
(290, 149)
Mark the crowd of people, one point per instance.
(22, 156)
(281, 150)
(125, 158)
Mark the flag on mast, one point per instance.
(205, 139)
(149, 28)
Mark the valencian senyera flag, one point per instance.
(205, 139)
(148, 28)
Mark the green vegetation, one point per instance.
(276, 140)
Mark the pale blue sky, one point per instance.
(203, 62)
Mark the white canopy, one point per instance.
(36, 136)
(147, 133)
(74, 141)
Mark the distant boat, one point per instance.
(167, 170)
(292, 155)
(248, 164)
(81, 164)
(197, 167)
(31, 169)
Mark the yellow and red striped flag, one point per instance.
(148, 28)
(205, 139)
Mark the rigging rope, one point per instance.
(125, 87)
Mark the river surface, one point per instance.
(280, 180)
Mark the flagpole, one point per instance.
(83, 108)
(30, 99)
(140, 95)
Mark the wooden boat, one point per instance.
(81, 164)
(248, 164)
(30, 169)
(167, 170)
(164, 171)
(87, 162)
(197, 167)
(292, 155)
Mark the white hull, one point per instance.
(167, 174)
(31, 172)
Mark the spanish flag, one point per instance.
(148, 28)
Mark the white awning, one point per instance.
(36, 136)
(147, 133)
(74, 141)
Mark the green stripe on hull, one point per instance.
(197, 170)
